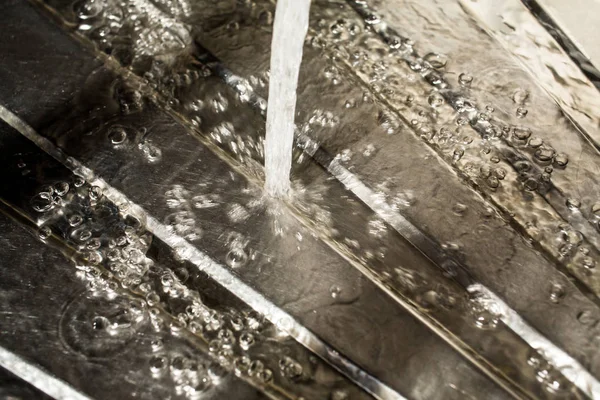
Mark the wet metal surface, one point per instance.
(185, 146)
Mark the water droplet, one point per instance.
(465, 79)
(246, 340)
(158, 364)
(290, 368)
(61, 188)
(561, 160)
(435, 99)
(521, 112)
(372, 19)
(557, 293)
(236, 258)
(521, 133)
(43, 202)
(44, 233)
(535, 142)
(335, 291)
(586, 317)
(520, 96)
(544, 154)
(436, 60)
(95, 193)
(573, 204)
(117, 135)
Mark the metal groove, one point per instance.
(565, 42)
(38, 378)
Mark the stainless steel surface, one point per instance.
(394, 217)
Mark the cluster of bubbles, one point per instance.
(357, 43)
(127, 290)
(501, 158)
(552, 379)
(134, 30)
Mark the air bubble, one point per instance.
(61, 188)
(520, 96)
(465, 79)
(557, 293)
(521, 133)
(436, 60)
(44, 233)
(236, 258)
(372, 19)
(158, 364)
(95, 193)
(521, 112)
(435, 99)
(335, 291)
(561, 160)
(241, 365)
(573, 204)
(290, 368)
(43, 202)
(544, 154)
(117, 135)
(246, 340)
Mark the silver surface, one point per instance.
(407, 309)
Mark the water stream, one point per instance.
(290, 27)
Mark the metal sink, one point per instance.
(440, 243)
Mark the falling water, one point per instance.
(290, 27)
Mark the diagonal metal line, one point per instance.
(39, 378)
(570, 48)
